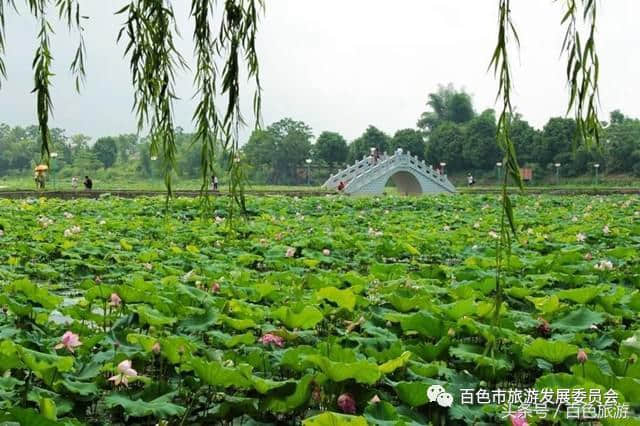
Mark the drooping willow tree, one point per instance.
(582, 74)
(224, 39)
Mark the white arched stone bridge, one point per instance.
(410, 175)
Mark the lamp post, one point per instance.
(153, 158)
(499, 170)
(442, 166)
(596, 167)
(308, 161)
(53, 156)
(557, 173)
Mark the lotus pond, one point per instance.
(323, 310)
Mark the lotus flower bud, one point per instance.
(346, 403)
(316, 394)
(582, 356)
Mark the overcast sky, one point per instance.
(341, 65)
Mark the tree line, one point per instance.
(449, 131)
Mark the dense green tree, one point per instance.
(331, 148)
(558, 136)
(126, 145)
(525, 139)
(622, 144)
(481, 150)
(371, 138)
(447, 105)
(86, 162)
(409, 140)
(617, 117)
(293, 147)
(279, 152)
(106, 151)
(445, 144)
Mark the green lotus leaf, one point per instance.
(343, 298)
(630, 345)
(334, 419)
(79, 388)
(48, 408)
(385, 272)
(151, 316)
(393, 364)
(566, 381)
(264, 386)
(547, 304)
(160, 407)
(581, 295)
(424, 323)
(26, 417)
(475, 354)
(414, 394)
(34, 294)
(552, 351)
(304, 318)
(214, 373)
(578, 320)
(238, 324)
(291, 402)
(460, 309)
(361, 371)
(384, 414)
(125, 245)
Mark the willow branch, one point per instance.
(583, 67)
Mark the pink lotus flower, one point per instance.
(519, 419)
(215, 288)
(375, 399)
(115, 300)
(290, 252)
(272, 338)
(156, 348)
(326, 252)
(582, 356)
(70, 341)
(346, 403)
(125, 373)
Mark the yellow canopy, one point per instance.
(42, 168)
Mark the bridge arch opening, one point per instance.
(406, 183)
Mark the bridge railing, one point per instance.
(352, 171)
(399, 157)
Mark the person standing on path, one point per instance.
(88, 183)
